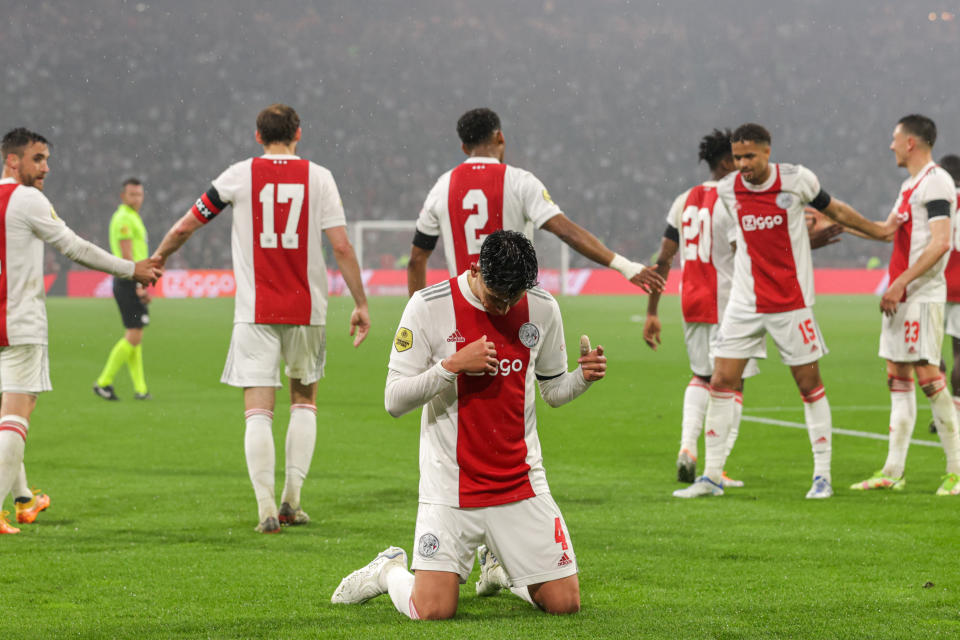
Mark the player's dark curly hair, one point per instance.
(278, 123)
(919, 126)
(508, 263)
(477, 126)
(952, 164)
(715, 147)
(16, 140)
(751, 132)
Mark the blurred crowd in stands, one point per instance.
(605, 100)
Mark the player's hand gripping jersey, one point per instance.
(478, 437)
(281, 206)
(773, 271)
(912, 237)
(478, 197)
(706, 257)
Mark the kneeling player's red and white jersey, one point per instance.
(706, 257)
(281, 205)
(478, 438)
(913, 235)
(773, 271)
(952, 272)
(478, 197)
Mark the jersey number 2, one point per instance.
(281, 193)
(475, 201)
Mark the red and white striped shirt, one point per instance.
(478, 197)
(773, 270)
(706, 257)
(913, 235)
(478, 438)
(952, 272)
(281, 205)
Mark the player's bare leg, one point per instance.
(435, 594)
(561, 596)
(258, 446)
(954, 379)
(727, 373)
(300, 443)
(816, 412)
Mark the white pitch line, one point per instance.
(846, 432)
(833, 408)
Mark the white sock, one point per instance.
(816, 413)
(734, 426)
(20, 487)
(903, 418)
(946, 418)
(301, 438)
(695, 400)
(524, 592)
(13, 437)
(717, 426)
(400, 590)
(258, 444)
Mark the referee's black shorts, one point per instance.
(132, 310)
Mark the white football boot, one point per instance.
(493, 576)
(704, 486)
(370, 581)
(821, 489)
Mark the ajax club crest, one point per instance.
(529, 335)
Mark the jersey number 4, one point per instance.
(281, 194)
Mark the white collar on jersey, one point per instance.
(483, 159)
(7, 181)
(913, 180)
(774, 172)
(279, 155)
(464, 283)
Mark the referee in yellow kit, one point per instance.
(128, 239)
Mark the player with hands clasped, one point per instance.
(284, 206)
(911, 335)
(27, 221)
(471, 351)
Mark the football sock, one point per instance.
(400, 590)
(946, 418)
(717, 427)
(258, 444)
(301, 438)
(118, 355)
(524, 592)
(21, 490)
(695, 400)
(13, 436)
(903, 418)
(734, 426)
(816, 413)
(135, 363)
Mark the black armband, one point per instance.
(822, 201)
(209, 205)
(938, 209)
(672, 233)
(545, 378)
(423, 241)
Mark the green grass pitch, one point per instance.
(150, 534)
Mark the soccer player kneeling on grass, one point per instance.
(469, 351)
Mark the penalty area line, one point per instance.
(845, 432)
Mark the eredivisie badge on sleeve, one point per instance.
(403, 339)
(529, 335)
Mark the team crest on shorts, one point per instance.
(784, 200)
(404, 339)
(428, 545)
(529, 335)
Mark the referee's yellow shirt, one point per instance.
(127, 225)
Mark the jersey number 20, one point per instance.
(697, 234)
(281, 194)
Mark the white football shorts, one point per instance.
(257, 349)
(953, 319)
(24, 368)
(529, 537)
(701, 339)
(913, 333)
(742, 334)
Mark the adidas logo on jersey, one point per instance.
(711, 434)
(565, 560)
(456, 337)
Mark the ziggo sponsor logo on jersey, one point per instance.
(506, 367)
(759, 223)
